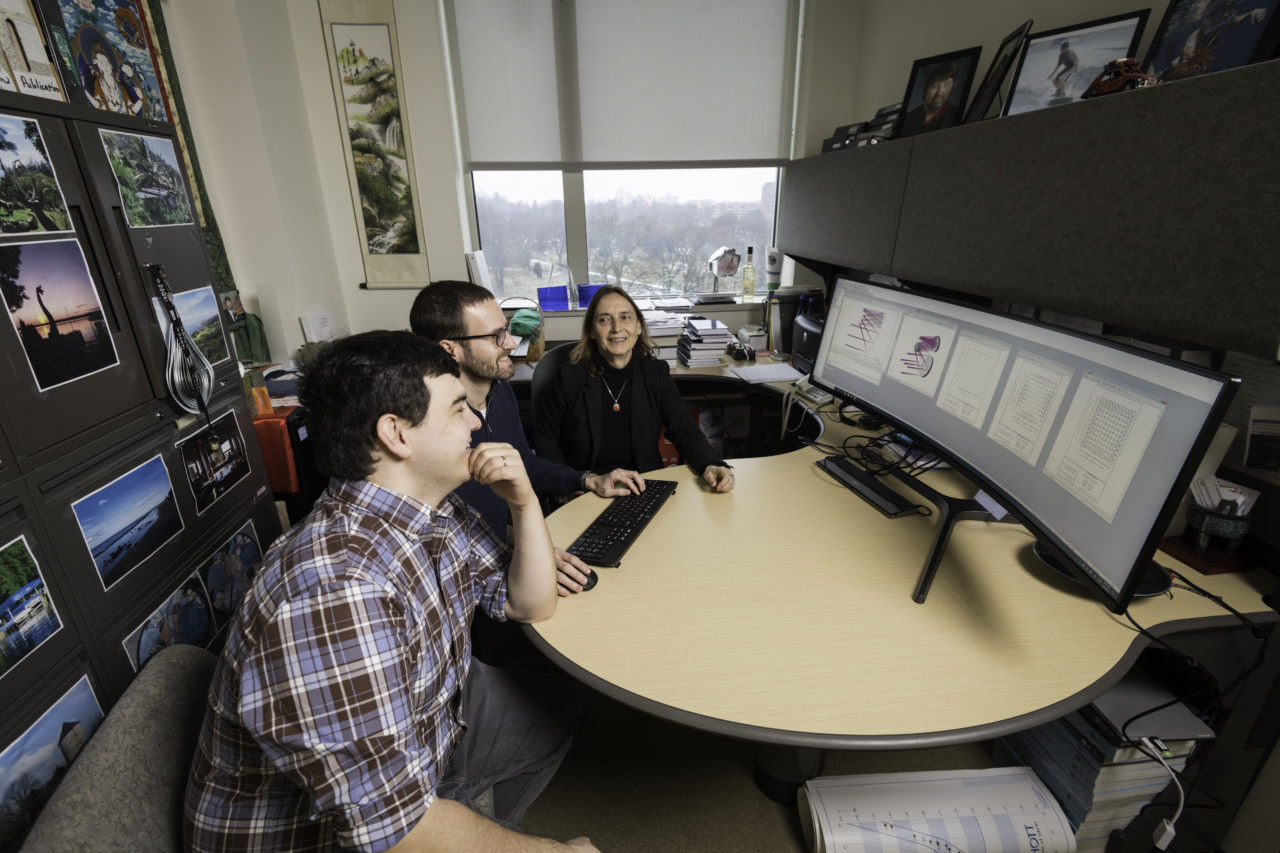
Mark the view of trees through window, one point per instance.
(652, 231)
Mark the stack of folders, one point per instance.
(702, 342)
(1100, 781)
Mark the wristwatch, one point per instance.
(582, 482)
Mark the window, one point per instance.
(521, 222)
(653, 231)
(665, 150)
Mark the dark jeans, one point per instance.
(520, 725)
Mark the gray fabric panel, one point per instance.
(125, 789)
(1151, 209)
(842, 207)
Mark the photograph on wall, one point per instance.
(1058, 65)
(214, 459)
(129, 519)
(937, 91)
(371, 100)
(56, 311)
(1200, 36)
(32, 766)
(110, 54)
(185, 618)
(30, 197)
(27, 614)
(229, 571)
(202, 319)
(26, 55)
(149, 178)
(231, 308)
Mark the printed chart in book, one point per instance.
(998, 810)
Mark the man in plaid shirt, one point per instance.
(346, 711)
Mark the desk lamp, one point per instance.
(723, 264)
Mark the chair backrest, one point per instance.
(125, 789)
(545, 370)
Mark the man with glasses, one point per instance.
(466, 320)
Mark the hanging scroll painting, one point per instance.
(363, 62)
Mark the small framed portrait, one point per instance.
(1200, 36)
(1058, 65)
(937, 91)
(231, 307)
(989, 89)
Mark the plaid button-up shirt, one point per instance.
(334, 707)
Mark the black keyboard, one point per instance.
(868, 486)
(608, 537)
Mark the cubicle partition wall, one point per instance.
(1143, 209)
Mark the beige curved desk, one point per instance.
(781, 613)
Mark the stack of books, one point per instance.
(663, 323)
(1100, 780)
(665, 328)
(702, 342)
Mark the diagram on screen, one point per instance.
(920, 352)
(866, 338)
(1028, 405)
(864, 334)
(970, 383)
(919, 361)
(1106, 433)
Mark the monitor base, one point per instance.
(1155, 580)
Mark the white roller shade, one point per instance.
(656, 80)
(506, 53)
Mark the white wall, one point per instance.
(260, 102)
(259, 98)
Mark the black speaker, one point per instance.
(805, 340)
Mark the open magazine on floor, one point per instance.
(1005, 809)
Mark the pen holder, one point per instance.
(1204, 526)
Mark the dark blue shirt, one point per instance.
(501, 422)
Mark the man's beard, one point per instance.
(486, 369)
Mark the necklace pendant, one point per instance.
(617, 408)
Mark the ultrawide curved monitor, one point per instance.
(1089, 443)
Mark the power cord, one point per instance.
(1165, 831)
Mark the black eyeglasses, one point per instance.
(498, 337)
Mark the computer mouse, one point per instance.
(592, 577)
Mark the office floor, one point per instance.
(635, 783)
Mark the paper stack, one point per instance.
(1099, 778)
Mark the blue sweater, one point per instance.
(501, 422)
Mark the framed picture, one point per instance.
(937, 91)
(1008, 53)
(56, 311)
(129, 519)
(1058, 65)
(231, 307)
(201, 317)
(149, 177)
(1200, 36)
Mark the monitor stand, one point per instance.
(1154, 581)
(952, 510)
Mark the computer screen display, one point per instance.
(1090, 444)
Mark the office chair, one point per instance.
(545, 370)
(124, 791)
